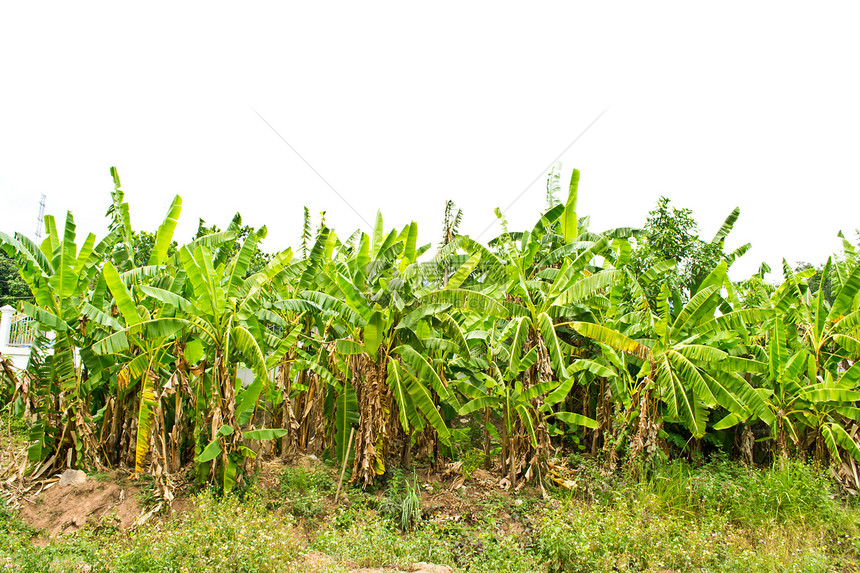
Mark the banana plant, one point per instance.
(389, 370)
(798, 399)
(537, 283)
(830, 332)
(683, 367)
(142, 353)
(214, 305)
(524, 410)
(59, 275)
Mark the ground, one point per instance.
(715, 516)
(55, 510)
(115, 501)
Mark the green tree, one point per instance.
(671, 234)
(144, 242)
(259, 258)
(13, 288)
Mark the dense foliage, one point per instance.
(631, 343)
(13, 289)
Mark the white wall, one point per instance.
(18, 354)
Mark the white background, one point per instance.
(401, 107)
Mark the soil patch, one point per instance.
(60, 509)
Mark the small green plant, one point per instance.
(472, 460)
(102, 477)
(402, 502)
(148, 495)
(410, 507)
(301, 491)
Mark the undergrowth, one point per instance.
(717, 517)
(302, 491)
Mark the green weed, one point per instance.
(301, 491)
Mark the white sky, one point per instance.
(402, 107)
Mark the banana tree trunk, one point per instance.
(371, 439)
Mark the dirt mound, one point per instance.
(59, 509)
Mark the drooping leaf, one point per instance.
(467, 300)
(424, 402)
(45, 317)
(573, 419)
(818, 394)
(374, 332)
(556, 355)
(835, 434)
(612, 339)
(681, 402)
(521, 328)
(144, 422)
(426, 373)
(729, 421)
(346, 415)
(348, 347)
(265, 434)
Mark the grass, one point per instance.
(302, 492)
(716, 517)
(722, 516)
(221, 535)
(402, 502)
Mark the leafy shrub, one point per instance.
(402, 502)
(744, 495)
(302, 491)
(721, 516)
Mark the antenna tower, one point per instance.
(41, 218)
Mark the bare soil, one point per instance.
(61, 509)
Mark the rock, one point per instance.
(518, 502)
(73, 477)
(430, 568)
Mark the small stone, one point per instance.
(518, 502)
(73, 477)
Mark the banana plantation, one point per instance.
(376, 351)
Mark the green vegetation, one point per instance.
(13, 289)
(300, 492)
(223, 535)
(631, 345)
(720, 516)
